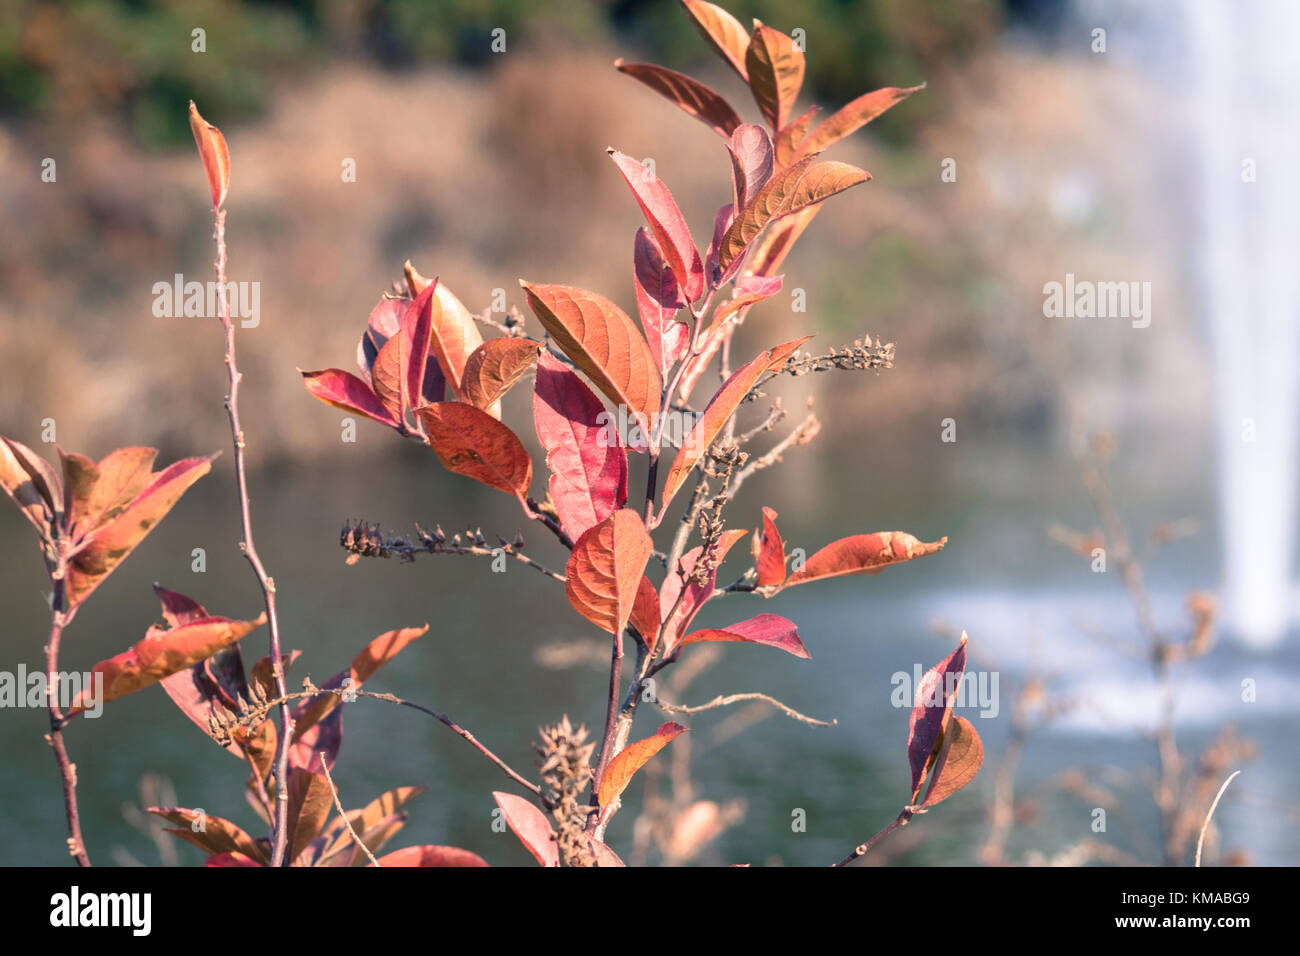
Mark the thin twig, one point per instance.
(338, 805)
(1200, 841)
(67, 769)
(861, 849)
(721, 701)
(265, 581)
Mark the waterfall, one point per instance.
(1244, 100)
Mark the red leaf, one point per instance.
(804, 184)
(645, 613)
(658, 300)
(397, 375)
(213, 153)
(720, 408)
(385, 319)
(471, 442)
(228, 859)
(723, 31)
(863, 554)
(531, 826)
(495, 367)
(751, 163)
(588, 464)
(769, 553)
(770, 629)
(179, 609)
(666, 222)
(632, 758)
(161, 653)
(775, 65)
(853, 117)
(605, 570)
(604, 343)
(344, 390)
(691, 95)
(431, 856)
(959, 761)
(931, 706)
(454, 333)
(364, 666)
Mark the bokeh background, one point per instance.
(480, 167)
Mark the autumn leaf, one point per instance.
(35, 490)
(750, 149)
(723, 31)
(94, 493)
(605, 569)
(109, 544)
(604, 343)
(472, 443)
(748, 291)
(495, 367)
(398, 373)
(310, 801)
(431, 856)
(454, 335)
(931, 706)
(161, 653)
(214, 834)
(960, 759)
(771, 630)
(367, 822)
(213, 153)
(344, 390)
(863, 554)
(677, 616)
(531, 826)
(645, 613)
(776, 66)
(769, 255)
(658, 300)
(790, 137)
(803, 184)
(769, 552)
(364, 666)
(666, 222)
(586, 459)
(853, 117)
(720, 408)
(691, 95)
(632, 758)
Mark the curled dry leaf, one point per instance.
(606, 568)
(588, 465)
(470, 442)
(213, 153)
(494, 368)
(531, 826)
(604, 343)
(723, 31)
(666, 222)
(691, 95)
(776, 66)
(720, 408)
(632, 758)
(863, 554)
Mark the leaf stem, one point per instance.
(67, 769)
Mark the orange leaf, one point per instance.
(788, 139)
(398, 372)
(106, 547)
(161, 653)
(604, 343)
(804, 184)
(33, 488)
(723, 31)
(863, 554)
(494, 367)
(632, 758)
(769, 552)
(471, 442)
(853, 117)
(96, 493)
(310, 801)
(720, 408)
(212, 834)
(364, 666)
(958, 763)
(431, 856)
(344, 390)
(455, 334)
(645, 612)
(213, 152)
(605, 570)
(691, 95)
(775, 65)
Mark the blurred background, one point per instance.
(1156, 151)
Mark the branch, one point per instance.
(721, 701)
(67, 769)
(1200, 842)
(265, 581)
(369, 541)
(338, 805)
(862, 849)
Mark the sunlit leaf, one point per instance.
(472, 443)
(213, 153)
(932, 704)
(344, 390)
(751, 163)
(495, 367)
(632, 758)
(786, 142)
(769, 552)
(723, 31)
(771, 630)
(310, 801)
(776, 66)
(691, 95)
(666, 222)
(959, 761)
(531, 826)
(853, 117)
(658, 300)
(454, 335)
(605, 569)
(863, 554)
(213, 834)
(29, 487)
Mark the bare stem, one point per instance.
(1200, 841)
(67, 769)
(861, 849)
(338, 805)
(280, 831)
(729, 699)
